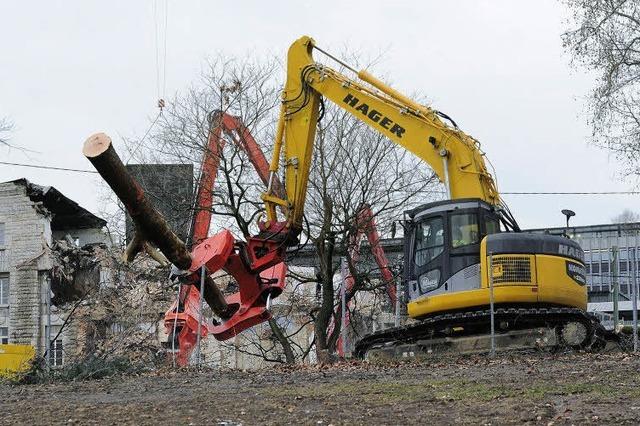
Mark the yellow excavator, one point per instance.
(454, 250)
(460, 255)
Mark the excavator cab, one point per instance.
(453, 247)
(442, 246)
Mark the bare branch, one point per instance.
(6, 127)
(606, 39)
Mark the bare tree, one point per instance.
(242, 88)
(606, 39)
(626, 216)
(354, 165)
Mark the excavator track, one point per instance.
(469, 323)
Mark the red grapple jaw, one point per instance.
(185, 324)
(252, 300)
(256, 267)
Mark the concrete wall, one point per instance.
(26, 257)
(27, 234)
(83, 236)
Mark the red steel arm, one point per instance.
(204, 197)
(240, 135)
(366, 219)
(186, 317)
(366, 224)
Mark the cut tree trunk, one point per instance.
(150, 224)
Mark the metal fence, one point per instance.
(612, 273)
(610, 260)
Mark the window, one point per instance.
(4, 335)
(4, 290)
(55, 354)
(429, 241)
(56, 350)
(117, 328)
(2, 237)
(492, 225)
(464, 230)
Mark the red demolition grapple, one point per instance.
(257, 269)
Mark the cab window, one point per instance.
(464, 230)
(429, 242)
(492, 225)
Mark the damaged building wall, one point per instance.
(44, 235)
(32, 217)
(26, 230)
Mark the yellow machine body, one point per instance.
(15, 359)
(543, 281)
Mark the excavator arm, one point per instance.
(454, 156)
(225, 126)
(365, 224)
(257, 264)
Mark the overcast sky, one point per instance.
(72, 68)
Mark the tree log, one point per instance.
(149, 222)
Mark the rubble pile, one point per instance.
(136, 345)
(76, 270)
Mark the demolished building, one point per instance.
(47, 260)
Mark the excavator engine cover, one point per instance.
(255, 288)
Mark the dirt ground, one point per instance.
(510, 389)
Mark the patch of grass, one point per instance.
(453, 390)
(390, 392)
(86, 369)
(354, 389)
(464, 391)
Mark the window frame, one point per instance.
(490, 218)
(4, 338)
(418, 228)
(5, 293)
(473, 214)
(56, 353)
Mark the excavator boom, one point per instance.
(225, 126)
(454, 156)
(365, 224)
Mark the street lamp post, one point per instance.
(569, 214)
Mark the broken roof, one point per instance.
(66, 213)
